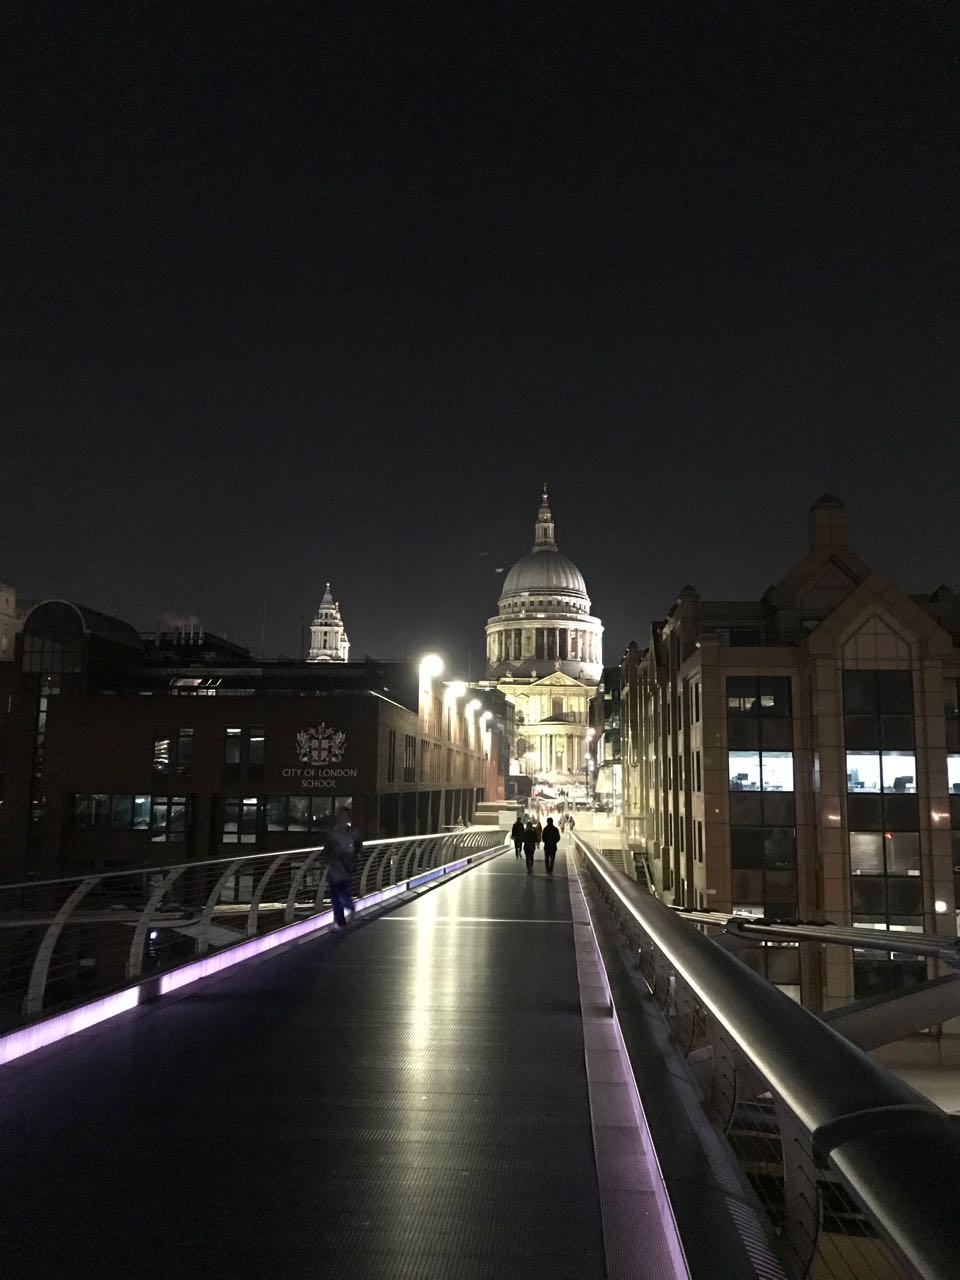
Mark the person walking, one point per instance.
(538, 832)
(529, 846)
(551, 838)
(516, 834)
(342, 847)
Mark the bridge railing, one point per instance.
(858, 1175)
(68, 941)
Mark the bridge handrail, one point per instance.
(896, 1151)
(919, 944)
(159, 916)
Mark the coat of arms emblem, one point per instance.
(321, 745)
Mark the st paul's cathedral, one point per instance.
(544, 653)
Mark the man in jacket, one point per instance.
(551, 838)
(342, 847)
(516, 834)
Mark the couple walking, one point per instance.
(529, 836)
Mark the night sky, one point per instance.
(296, 292)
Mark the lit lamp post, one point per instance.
(587, 762)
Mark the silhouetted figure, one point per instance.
(551, 838)
(342, 847)
(516, 834)
(529, 846)
(538, 832)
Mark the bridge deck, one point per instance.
(408, 1099)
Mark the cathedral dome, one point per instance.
(541, 571)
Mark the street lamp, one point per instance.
(431, 664)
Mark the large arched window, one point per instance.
(53, 639)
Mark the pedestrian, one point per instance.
(551, 838)
(538, 832)
(572, 824)
(529, 846)
(516, 834)
(342, 847)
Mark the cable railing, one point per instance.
(67, 942)
(857, 1175)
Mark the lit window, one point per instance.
(761, 770)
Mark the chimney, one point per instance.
(828, 523)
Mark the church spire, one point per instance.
(328, 636)
(545, 536)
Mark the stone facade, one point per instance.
(799, 757)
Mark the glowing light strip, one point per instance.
(17, 1043)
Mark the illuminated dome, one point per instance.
(544, 569)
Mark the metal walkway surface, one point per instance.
(408, 1099)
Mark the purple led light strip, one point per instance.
(16, 1043)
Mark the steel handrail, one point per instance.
(918, 944)
(899, 1154)
(164, 867)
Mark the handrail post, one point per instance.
(36, 987)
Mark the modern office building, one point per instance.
(544, 654)
(124, 750)
(799, 756)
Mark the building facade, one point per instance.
(122, 752)
(799, 757)
(544, 654)
(328, 636)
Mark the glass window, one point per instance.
(953, 773)
(158, 818)
(178, 818)
(899, 770)
(777, 770)
(895, 692)
(745, 809)
(276, 813)
(742, 695)
(141, 813)
(184, 750)
(860, 691)
(868, 895)
(231, 819)
(866, 853)
(121, 814)
(299, 813)
(231, 750)
(779, 848)
(248, 820)
(746, 847)
(902, 849)
(904, 895)
(744, 770)
(896, 733)
(256, 748)
(779, 809)
(900, 812)
(161, 754)
(321, 813)
(774, 696)
(743, 733)
(863, 770)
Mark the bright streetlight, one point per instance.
(474, 704)
(431, 664)
(456, 690)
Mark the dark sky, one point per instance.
(296, 292)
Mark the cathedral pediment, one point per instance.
(556, 678)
